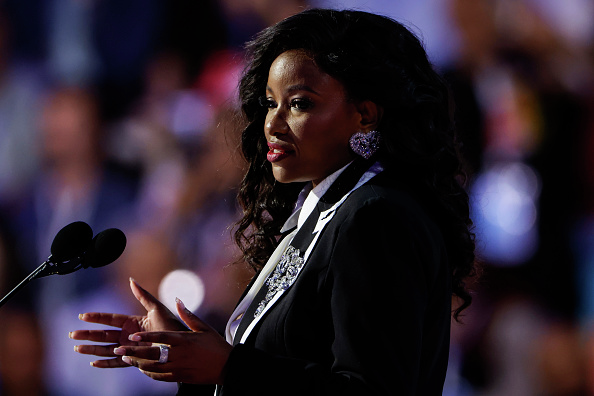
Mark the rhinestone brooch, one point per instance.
(282, 277)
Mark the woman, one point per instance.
(353, 190)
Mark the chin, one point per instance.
(287, 180)
(282, 176)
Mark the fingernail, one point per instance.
(80, 316)
(76, 348)
(127, 360)
(134, 337)
(92, 364)
(132, 280)
(70, 335)
(119, 351)
(183, 306)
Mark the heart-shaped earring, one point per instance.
(365, 144)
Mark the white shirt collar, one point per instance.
(306, 202)
(308, 199)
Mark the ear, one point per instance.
(371, 115)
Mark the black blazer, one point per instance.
(369, 313)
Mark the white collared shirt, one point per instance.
(308, 199)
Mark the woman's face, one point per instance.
(309, 120)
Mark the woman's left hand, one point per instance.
(196, 356)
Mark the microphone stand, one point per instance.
(84, 259)
(24, 282)
(45, 269)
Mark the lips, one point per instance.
(278, 152)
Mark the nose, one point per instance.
(275, 122)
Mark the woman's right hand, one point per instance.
(157, 318)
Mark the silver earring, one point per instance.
(365, 144)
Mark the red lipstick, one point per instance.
(277, 152)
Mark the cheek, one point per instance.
(319, 126)
(308, 136)
(325, 143)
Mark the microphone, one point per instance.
(104, 249)
(70, 242)
(107, 246)
(74, 248)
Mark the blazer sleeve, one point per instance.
(386, 259)
(194, 390)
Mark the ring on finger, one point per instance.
(163, 353)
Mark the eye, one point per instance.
(268, 103)
(301, 104)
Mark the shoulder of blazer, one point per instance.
(387, 209)
(391, 198)
(386, 186)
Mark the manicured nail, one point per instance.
(127, 360)
(119, 351)
(70, 334)
(92, 364)
(134, 337)
(76, 348)
(183, 306)
(80, 316)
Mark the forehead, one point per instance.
(296, 68)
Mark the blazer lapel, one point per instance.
(251, 319)
(250, 297)
(260, 298)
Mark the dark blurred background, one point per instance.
(122, 113)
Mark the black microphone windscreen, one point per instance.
(71, 241)
(107, 246)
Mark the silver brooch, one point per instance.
(282, 277)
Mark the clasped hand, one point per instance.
(195, 356)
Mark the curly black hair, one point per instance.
(376, 59)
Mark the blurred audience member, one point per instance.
(21, 354)
(74, 185)
(522, 115)
(167, 120)
(561, 356)
(518, 117)
(510, 347)
(20, 87)
(206, 211)
(185, 23)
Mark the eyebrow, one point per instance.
(297, 87)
